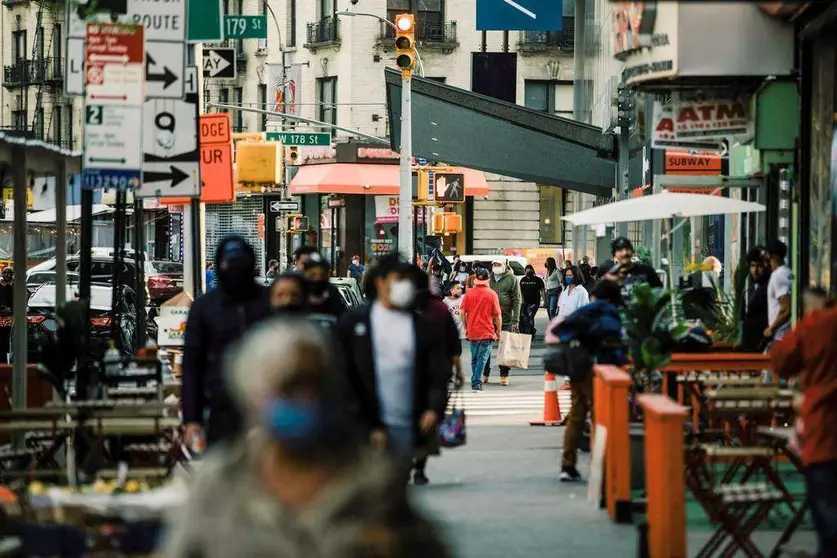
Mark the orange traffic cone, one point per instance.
(551, 407)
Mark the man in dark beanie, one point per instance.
(631, 272)
(216, 321)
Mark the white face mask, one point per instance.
(402, 293)
(498, 271)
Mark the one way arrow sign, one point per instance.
(219, 63)
(164, 67)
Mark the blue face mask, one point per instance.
(297, 426)
(569, 281)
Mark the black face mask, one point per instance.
(319, 288)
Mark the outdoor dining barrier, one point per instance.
(665, 486)
(611, 413)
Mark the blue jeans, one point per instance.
(504, 370)
(821, 486)
(480, 355)
(552, 303)
(400, 444)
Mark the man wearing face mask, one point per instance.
(398, 378)
(504, 283)
(533, 289)
(323, 297)
(217, 320)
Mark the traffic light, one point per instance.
(405, 42)
(293, 155)
(449, 188)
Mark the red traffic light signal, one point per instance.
(405, 41)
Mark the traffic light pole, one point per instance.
(405, 191)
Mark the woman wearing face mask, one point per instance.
(574, 296)
(397, 375)
(300, 483)
(532, 289)
(554, 285)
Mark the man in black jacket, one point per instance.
(754, 309)
(216, 321)
(397, 377)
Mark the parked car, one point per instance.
(35, 280)
(101, 269)
(349, 290)
(40, 318)
(163, 280)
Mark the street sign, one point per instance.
(171, 164)
(449, 188)
(165, 34)
(219, 63)
(205, 21)
(215, 128)
(292, 138)
(245, 27)
(520, 15)
(115, 64)
(216, 156)
(280, 206)
(112, 154)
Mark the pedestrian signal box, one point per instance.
(298, 223)
(447, 223)
(405, 42)
(449, 188)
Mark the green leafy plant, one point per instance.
(723, 319)
(643, 254)
(651, 331)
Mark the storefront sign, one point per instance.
(701, 116)
(663, 134)
(376, 153)
(686, 162)
(336, 202)
(645, 38)
(317, 154)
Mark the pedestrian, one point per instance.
(217, 320)
(299, 483)
(288, 293)
(631, 272)
(7, 299)
(397, 376)
(810, 353)
(482, 318)
(272, 270)
(778, 293)
(574, 296)
(532, 290)
(446, 342)
(209, 277)
(816, 299)
(586, 272)
(554, 284)
(598, 327)
(754, 307)
(323, 297)
(302, 255)
(504, 283)
(460, 272)
(356, 270)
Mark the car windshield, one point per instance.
(41, 278)
(165, 267)
(45, 296)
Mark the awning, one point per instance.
(73, 214)
(359, 178)
(471, 130)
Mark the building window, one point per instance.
(564, 99)
(19, 119)
(223, 99)
(327, 9)
(551, 210)
(69, 138)
(292, 23)
(263, 106)
(430, 16)
(540, 95)
(327, 99)
(19, 46)
(57, 132)
(238, 100)
(395, 7)
(437, 79)
(57, 42)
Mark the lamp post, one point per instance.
(406, 58)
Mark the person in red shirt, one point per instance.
(483, 321)
(810, 351)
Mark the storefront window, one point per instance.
(551, 212)
(823, 162)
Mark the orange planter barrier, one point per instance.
(610, 402)
(665, 483)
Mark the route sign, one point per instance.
(219, 63)
(171, 160)
(112, 154)
(520, 15)
(296, 138)
(115, 64)
(245, 27)
(205, 21)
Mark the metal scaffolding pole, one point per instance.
(19, 333)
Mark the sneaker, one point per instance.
(504, 381)
(570, 474)
(476, 387)
(484, 379)
(420, 479)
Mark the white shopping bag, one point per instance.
(514, 350)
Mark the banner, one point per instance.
(663, 133)
(283, 90)
(705, 116)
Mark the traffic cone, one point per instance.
(551, 407)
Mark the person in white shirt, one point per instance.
(454, 303)
(574, 296)
(778, 292)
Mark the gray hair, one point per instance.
(271, 354)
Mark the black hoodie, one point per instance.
(217, 320)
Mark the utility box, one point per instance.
(259, 163)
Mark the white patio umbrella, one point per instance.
(665, 205)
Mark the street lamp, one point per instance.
(405, 58)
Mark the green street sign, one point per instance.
(293, 138)
(205, 24)
(245, 27)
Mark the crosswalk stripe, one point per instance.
(487, 404)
